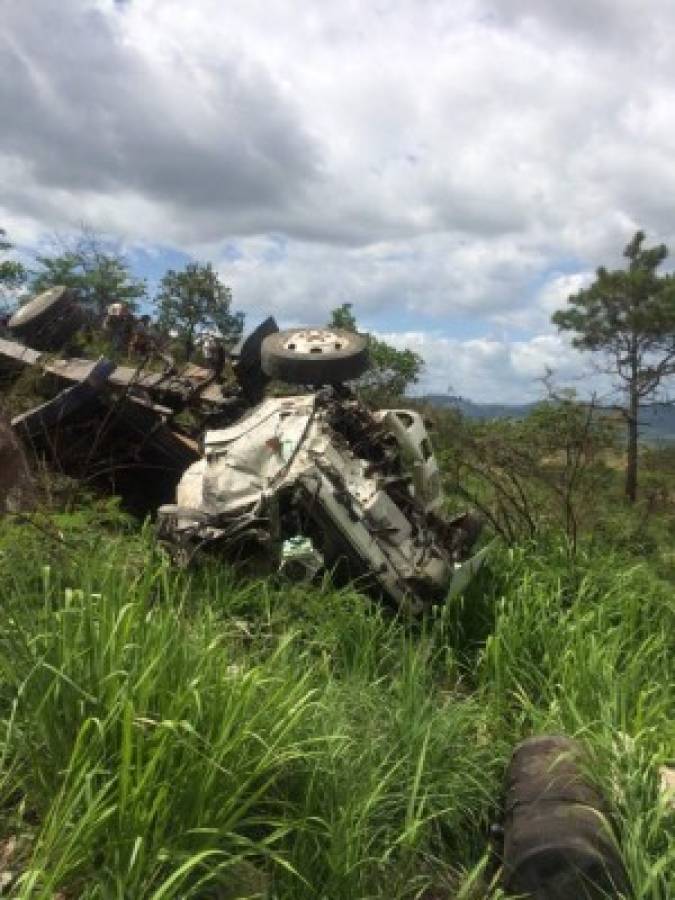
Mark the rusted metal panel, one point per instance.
(150, 438)
(191, 384)
(69, 401)
(14, 356)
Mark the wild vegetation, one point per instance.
(626, 317)
(188, 305)
(176, 734)
(169, 734)
(12, 273)
(95, 270)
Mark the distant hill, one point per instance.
(657, 422)
(480, 410)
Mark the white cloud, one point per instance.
(498, 371)
(432, 276)
(465, 161)
(344, 124)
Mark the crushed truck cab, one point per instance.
(320, 478)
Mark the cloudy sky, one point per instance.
(453, 168)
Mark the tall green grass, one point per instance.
(589, 650)
(165, 735)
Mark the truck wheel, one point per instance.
(47, 321)
(315, 355)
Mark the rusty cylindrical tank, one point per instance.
(558, 843)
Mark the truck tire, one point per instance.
(47, 321)
(315, 355)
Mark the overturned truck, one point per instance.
(306, 482)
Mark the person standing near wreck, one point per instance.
(214, 354)
(142, 341)
(118, 324)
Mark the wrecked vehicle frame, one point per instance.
(305, 483)
(315, 482)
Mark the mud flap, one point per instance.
(465, 572)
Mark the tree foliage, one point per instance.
(525, 475)
(12, 273)
(95, 270)
(627, 317)
(392, 371)
(195, 300)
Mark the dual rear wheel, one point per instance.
(315, 356)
